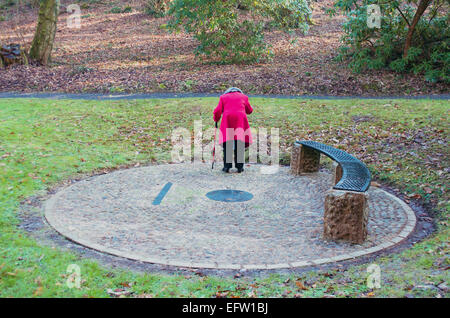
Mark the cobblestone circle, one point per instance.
(280, 227)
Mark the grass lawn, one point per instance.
(43, 142)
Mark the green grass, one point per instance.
(126, 9)
(44, 142)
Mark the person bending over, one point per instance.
(235, 134)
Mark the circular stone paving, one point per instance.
(161, 214)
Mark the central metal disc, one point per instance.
(229, 195)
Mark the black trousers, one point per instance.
(237, 148)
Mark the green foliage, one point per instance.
(375, 48)
(4, 4)
(187, 85)
(125, 9)
(157, 8)
(80, 69)
(233, 31)
(7, 4)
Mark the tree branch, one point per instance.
(423, 5)
(403, 16)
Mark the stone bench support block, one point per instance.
(337, 172)
(295, 159)
(345, 216)
(304, 160)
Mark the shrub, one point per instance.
(232, 31)
(8, 4)
(408, 39)
(157, 8)
(126, 9)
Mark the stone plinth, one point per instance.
(12, 54)
(337, 172)
(295, 159)
(345, 216)
(304, 160)
(309, 160)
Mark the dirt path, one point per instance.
(132, 53)
(100, 96)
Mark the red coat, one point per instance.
(234, 107)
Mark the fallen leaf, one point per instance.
(300, 285)
(126, 284)
(223, 294)
(38, 291)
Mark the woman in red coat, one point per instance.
(234, 128)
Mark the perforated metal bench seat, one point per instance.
(355, 175)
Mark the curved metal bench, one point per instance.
(355, 175)
(346, 207)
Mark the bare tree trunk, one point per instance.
(423, 5)
(42, 45)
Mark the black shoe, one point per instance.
(240, 170)
(226, 170)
